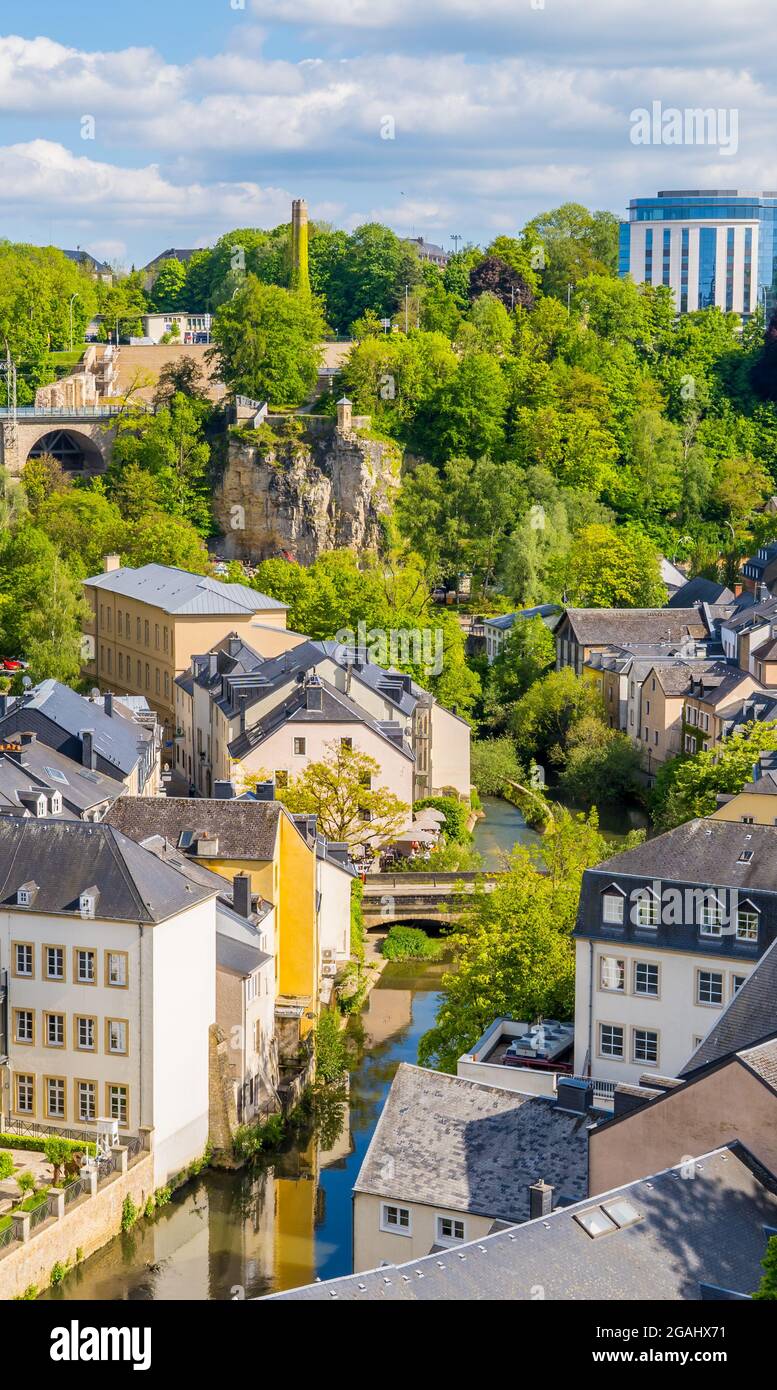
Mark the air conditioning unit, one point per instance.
(329, 969)
(327, 955)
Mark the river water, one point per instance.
(288, 1221)
(234, 1235)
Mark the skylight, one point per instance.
(622, 1212)
(745, 856)
(595, 1222)
(55, 775)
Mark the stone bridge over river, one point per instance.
(417, 897)
(80, 438)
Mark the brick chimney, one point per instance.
(111, 562)
(88, 751)
(540, 1199)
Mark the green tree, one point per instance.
(57, 1152)
(512, 949)
(767, 1289)
(267, 343)
(602, 765)
(169, 444)
(576, 243)
(169, 291)
(544, 718)
(494, 763)
(609, 568)
(688, 786)
(343, 791)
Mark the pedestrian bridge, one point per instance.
(80, 438)
(418, 897)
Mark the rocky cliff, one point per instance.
(304, 486)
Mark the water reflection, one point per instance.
(283, 1223)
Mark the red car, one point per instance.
(10, 664)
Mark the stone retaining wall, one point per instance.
(87, 1225)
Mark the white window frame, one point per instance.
(395, 1229)
(646, 993)
(645, 1061)
(647, 898)
(610, 900)
(710, 1003)
(606, 1052)
(605, 971)
(747, 910)
(452, 1239)
(709, 926)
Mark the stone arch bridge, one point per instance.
(420, 898)
(80, 438)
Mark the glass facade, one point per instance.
(649, 255)
(708, 238)
(757, 277)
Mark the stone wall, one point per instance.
(87, 1225)
(327, 489)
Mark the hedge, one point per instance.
(38, 1143)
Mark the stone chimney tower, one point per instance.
(344, 415)
(300, 280)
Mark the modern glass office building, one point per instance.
(710, 246)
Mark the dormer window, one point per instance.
(25, 894)
(711, 919)
(56, 804)
(88, 902)
(612, 906)
(646, 909)
(747, 922)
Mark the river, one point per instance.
(503, 826)
(234, 1235)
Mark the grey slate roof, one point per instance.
(700, 590)
(336, 708)
(763, 1061)
(624, 626)
(472, 1148)
(505, 621)
(245, 829)
(709, 1232)
(47, 769)
(120, 742)
(705, 851)
(65, 858)
(179, 592)
(749, 614)
(681, 676)
(749, 1017)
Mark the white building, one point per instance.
(711, 247)
(110, 957)
(177, 327)
(666, 934)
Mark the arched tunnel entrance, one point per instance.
(75, 452)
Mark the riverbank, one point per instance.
(286, 1220)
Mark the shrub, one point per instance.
(57, 1152)
(250, 1140)
(150, 1206)
(162, 1196)
(37, 1144)
(58, 1272)
(6, 1166)
(456, 815)
(30, 1293)
(129, 1213)
(26, 1183)
(410, 943)
(331, 1052)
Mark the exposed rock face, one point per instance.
(325, 490)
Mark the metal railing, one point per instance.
(40, 1214)
(604, 1090)
(36, 1131)
(73, 1191)
(60, 412)
(8, 1236)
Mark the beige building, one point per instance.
(756, 803)
(234, 695)
(450, 1161)
(147, 623)
(686, 706)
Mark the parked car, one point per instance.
(10, 663)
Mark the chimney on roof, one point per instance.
(27, 738)
(88, 751)
(111, 562)
(213, 664)
(314, 694)
(264, 791)
(540, 1199)
(207, 845)
(242, 897)
(234, 644)
(108, 703)
(223, 791)
(242, 696)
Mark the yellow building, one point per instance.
(146, 624)
(756, 804)
(258, 838)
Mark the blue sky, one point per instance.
(205, 115)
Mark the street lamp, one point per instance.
(73, 298)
